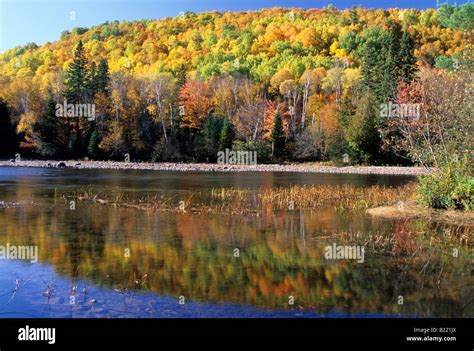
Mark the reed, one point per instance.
(234, 200)
(343, 197)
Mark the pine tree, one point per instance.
(102, 77)
(277, 136)
(8, 140)
(227, 135)
(76, 85)
(91, 81)
(345, 111)
(362, 133)
(391, 65)
(48, 130)
(407, 58)
(371, 68)
(92, 148)
(98, 80)
(76, 91)
(380, 68)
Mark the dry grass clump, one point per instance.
(234, 200)
(344, 197)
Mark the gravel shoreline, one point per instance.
(207, 167)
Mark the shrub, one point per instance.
(263, 150)
(450, 188)
(159, 150)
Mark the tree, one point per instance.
(76, 77)
(93, 146)
(272, 108)
(8, 142)
(225, 92)
(407, 58)
(76, 92)
(250, 116)
(102, 77)
(442, 129)
(362, 134)
(229, 66)
(196, 104)
(160, 89)
(47, 131)
(206, 145)
(311, 83)
(227, 135)
(277, 136)
(292, 92)
(310, 143)
(333, 82)
(377, 69)
(278, 78)
(112, 142)
(456, 17)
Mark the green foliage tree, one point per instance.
(8, 140)
(455, 17)
(407, 58)
(102, 77)
(76, 91)
(277, 136)
(48, 130)
(227, 135)
(76, 77)
(92, 148)
(445, 63)
(362, 133)
(206, 145)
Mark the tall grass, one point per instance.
(234, 200)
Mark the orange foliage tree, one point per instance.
(196, 104)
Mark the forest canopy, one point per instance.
(287, 83)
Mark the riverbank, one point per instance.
(212, 167)
(410, 210)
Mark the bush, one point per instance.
(309, 144)
(340, 152)
(450, 188)
(263, 150)
(159, 151)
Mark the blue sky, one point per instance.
(39, 21)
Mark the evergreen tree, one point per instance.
(92, 148)
(374, 52)
(8, 140)
(227, 135)
(76, 85)
(91, 81)
(345, 111)
(212, 130)
(102, 77)
(391, 65)
(76, 92)
(362, 134)
(381, 66)
(277, 136)
(48, 130)
(407, 58)
(97, 80)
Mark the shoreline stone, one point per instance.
(212, 167)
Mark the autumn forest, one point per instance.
(291, 84)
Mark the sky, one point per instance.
(39, 21)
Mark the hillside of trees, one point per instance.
(291, 84)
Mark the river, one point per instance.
(103, 261)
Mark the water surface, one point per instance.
(102, 261)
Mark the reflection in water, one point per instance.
(280, 254)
